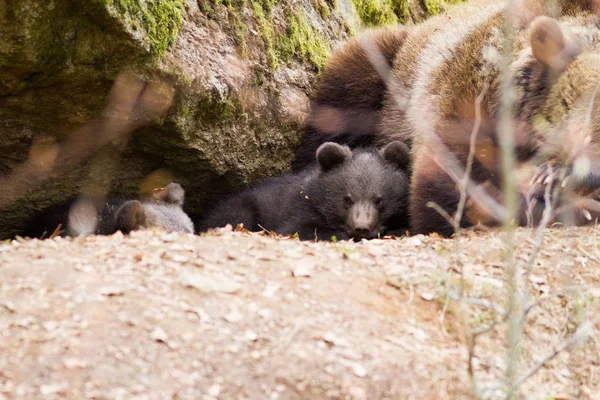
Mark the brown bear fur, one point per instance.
(345, 109)
(429, 101)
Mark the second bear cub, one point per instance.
(348, 194)
(89, 215)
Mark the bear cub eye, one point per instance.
(348, 200)
(379, 202)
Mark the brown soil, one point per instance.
(234, 315)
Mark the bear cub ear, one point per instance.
(131, 216)
(548, 42)
(330, 155)
(173, 193)
(397, 153)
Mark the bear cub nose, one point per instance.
(362, 220)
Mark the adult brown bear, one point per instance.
(420, 85)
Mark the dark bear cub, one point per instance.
(86, 216)
(348, 194)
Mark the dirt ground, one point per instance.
(233, 315)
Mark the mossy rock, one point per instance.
(242, 73)
(158, 21)
(374, 13)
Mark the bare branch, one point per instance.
(539, 238)
(481, 303)
(472, 148)
(556, 293)
(489, 327)
(506, 136)
(581, 335)
(446, 216)
(132, 104)
(453, 169)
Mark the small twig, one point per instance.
(590, 109)
(480, 302)
(451, 173)
(376, 58)
(551, 295)
(471, 157)
(463, 185)
(506, 133)
(471, 343)
(452, 168)
(582, 333)
(537, 245)
(489, 327)
(444, 214)
(442, 316)
(56, 232)
(268, 231)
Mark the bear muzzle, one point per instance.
(361, 222)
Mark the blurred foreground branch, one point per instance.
(132, 103)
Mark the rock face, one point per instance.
(238, 77)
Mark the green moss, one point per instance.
(387, 12)
(375, 12)
(332, 4)
(433, 6)
(205, 7)
(160, 19)
(322, 8)
(36, 33)
(211, 110)
(402, 9)
(208, 113)
(233, 9)
(302, 40)
(44, 37)
(263, 13)
(267, 5)
(240, 30)
(187, 111)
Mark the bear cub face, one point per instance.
(361, 193)
(347, 194)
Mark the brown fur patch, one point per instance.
(579, 78)
(430, 99)
(393, 125)
(131, 216)
(460, 77)
(350, 80)
(479, 214)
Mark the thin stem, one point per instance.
(580, 335)
(471, 157)
(506, 136)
